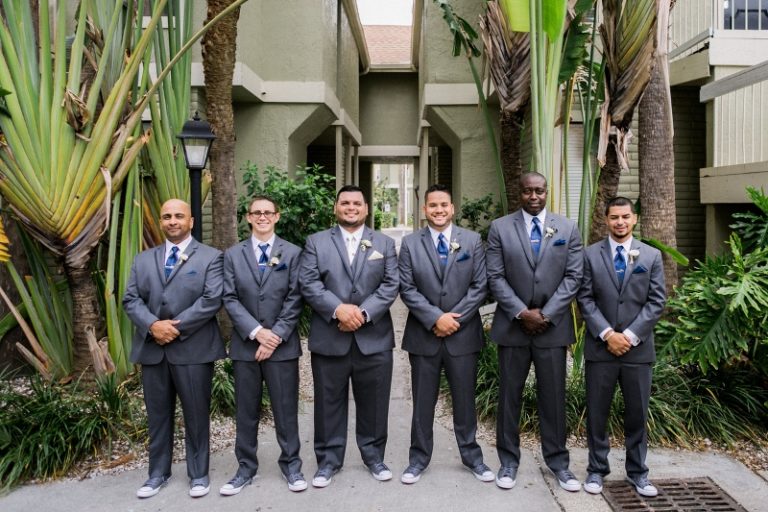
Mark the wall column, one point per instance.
(349, 178)
(423, 184)
(339, 157)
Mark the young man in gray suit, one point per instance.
(349, 277)
(534, 262)
(443, 283)
(261, 295)
(173, 295)
(621, 299)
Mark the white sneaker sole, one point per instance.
(593, 488)
(299, 486)
(410, 478)
(505, 483)
(383, 476)
(199, 491)
(321, 482)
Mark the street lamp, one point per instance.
(196, 139)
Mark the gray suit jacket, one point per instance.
(327, 280)
(429, 290)
(191, 294)
(636, 306)
(518, 280)
(271, 299)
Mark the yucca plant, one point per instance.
(69, 145)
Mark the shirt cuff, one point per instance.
(517, 316)
(254, 332)
(604, 333)
(633, 339)
(366, 316)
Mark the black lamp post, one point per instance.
(196, 139)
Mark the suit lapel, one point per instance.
(160, 260)
(361, 256)
(635, 246)
(276, 252)
(525, 239)
(188, 252)
(250, 260)
(338, 240)
(452, 254)
(431, 252)
(549, 223)
(608, 262)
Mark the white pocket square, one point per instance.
(375, 255)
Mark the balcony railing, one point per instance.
(745, 14)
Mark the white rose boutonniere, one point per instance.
(182, 258)
(274, 260)
(455, 246)
(633, 255)
(365, 244)
(549, 232)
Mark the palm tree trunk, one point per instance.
(511, 162)
(85, 313)
(607, 188)
(657, 167)
(219, 47)
(219, 52)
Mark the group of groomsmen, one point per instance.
(534, 266)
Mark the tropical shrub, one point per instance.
(306, 202)
(477, 214)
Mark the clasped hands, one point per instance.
(446, 324)
(164, 331)
(268, 342)
(618, 343)
(350, 317)
(533, 322)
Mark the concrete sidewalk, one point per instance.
(445, 486)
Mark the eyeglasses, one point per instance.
(259, 213)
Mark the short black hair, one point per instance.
(263, 197)
(619, 201)
(438, 187)
(531, 174)
(350, 188)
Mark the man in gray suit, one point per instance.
(534, 262)
(261, 295)
(173, 295)
(349, 277)
(443, 283)
(621, 299)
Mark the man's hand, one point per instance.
(268, 339)
(446, 325)
(533, 322)
(350, 317)
(618, 344)
(263, 353)
(164, 331)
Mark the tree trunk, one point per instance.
(219, 48)
(511, 163)
(85, 313)
(657, 167)
(607, 188)
(219, 52)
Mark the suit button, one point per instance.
(621, 302)
(261, 298)
(165, 302)
(354, 291)
(445, 293)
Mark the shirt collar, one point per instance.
(542, 216)
(181, 245)
(446, 233)
(255, 242)
(358, 234)
(627, 244)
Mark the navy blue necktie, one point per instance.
(263, 258)
(442, 249)
(173, 258)
(619, 264)
(535, 237)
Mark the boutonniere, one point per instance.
(182, 258)
(365, 244)
(549, 232)
(633, 255)
(455, 246)
(274, 260)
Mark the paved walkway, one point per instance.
(446, 486)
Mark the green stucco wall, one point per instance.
(389, 104)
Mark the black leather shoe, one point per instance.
(152, 486)
(235, 485)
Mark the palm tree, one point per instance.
(219, 53)
(657, 158)
(630, 39)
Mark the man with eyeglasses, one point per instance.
(349, 276)
(535, 262)
(261, 295)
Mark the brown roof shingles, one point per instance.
(388, 44)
